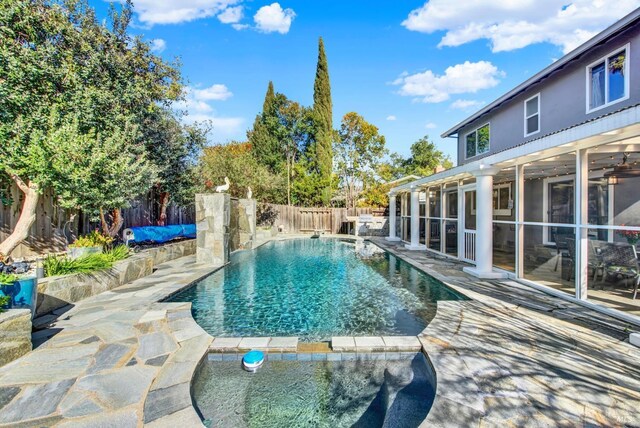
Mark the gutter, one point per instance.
(598, 39)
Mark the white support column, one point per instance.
(392, 218)
(460, 221)
(582, 217)
(519, 206)
(484, 226)
(415, 221)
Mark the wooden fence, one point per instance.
(53, 224)
(331, 220)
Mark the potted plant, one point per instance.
(18, 292)
(93, 243)
(632, 236)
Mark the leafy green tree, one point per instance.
(99, 177)
(323, 118)
(358, 151)
(237, 162)
(266, 135)
(425, 158)
(174, 149)
(66, 77)
(296, 124)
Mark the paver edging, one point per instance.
(192, 352)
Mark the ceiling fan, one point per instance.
(623, 170)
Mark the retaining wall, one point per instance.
(15, 334)
(58, 291)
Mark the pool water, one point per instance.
(315, 289)
(389, 393)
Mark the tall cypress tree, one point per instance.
(323, 119)
(263, 139)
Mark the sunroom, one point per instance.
(561, 213)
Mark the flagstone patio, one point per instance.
(511, 356)
(514, 356)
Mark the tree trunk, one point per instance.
(288, 181)
(164, 202)
(27, 216)
(116, 222)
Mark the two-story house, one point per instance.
(547, 187)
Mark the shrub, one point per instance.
(93, 239)
(117, 253)
(54, 266)
(4, 300)
(7, 279)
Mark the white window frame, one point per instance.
(507, 211)
(471, 132)
(530, 116)
(605, 59)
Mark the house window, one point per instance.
(502, 201)
(532, 115)
(477, 142)
(608, 80)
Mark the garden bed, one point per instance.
(58, 291)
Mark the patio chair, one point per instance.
(595, 260)
(620, 261)
(561, 246)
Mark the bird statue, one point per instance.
(224, 187)
(249, 192)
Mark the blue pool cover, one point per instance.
(162, 234)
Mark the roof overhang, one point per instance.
(556, 66)
(607, 129)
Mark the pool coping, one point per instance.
(175, 345)
(100, 323)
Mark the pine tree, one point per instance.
(263, 137)
(322, 111)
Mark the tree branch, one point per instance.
(21, 184)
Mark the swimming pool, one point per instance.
(356, 393)
(315, 289)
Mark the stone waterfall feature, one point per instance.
(213, 217)
(223, 224)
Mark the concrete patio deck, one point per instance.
(511, 356)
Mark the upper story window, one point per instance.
(477, 141)
(608, 80)
(532, 115)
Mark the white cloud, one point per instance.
(198, 108)
(240, 27)
(391, 117)
(231, 15)
(223, 127)
(158, 45)
(514, 24)
(216, 92)
(152, 12)
(273, 18)
(431, 125)
(466, 104)
(469, 77)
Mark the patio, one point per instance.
(510, 355)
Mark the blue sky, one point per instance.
(411, 68)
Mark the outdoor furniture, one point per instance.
(620, 261)
(561, 246)
(595, 262)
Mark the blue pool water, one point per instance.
(315, 289)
